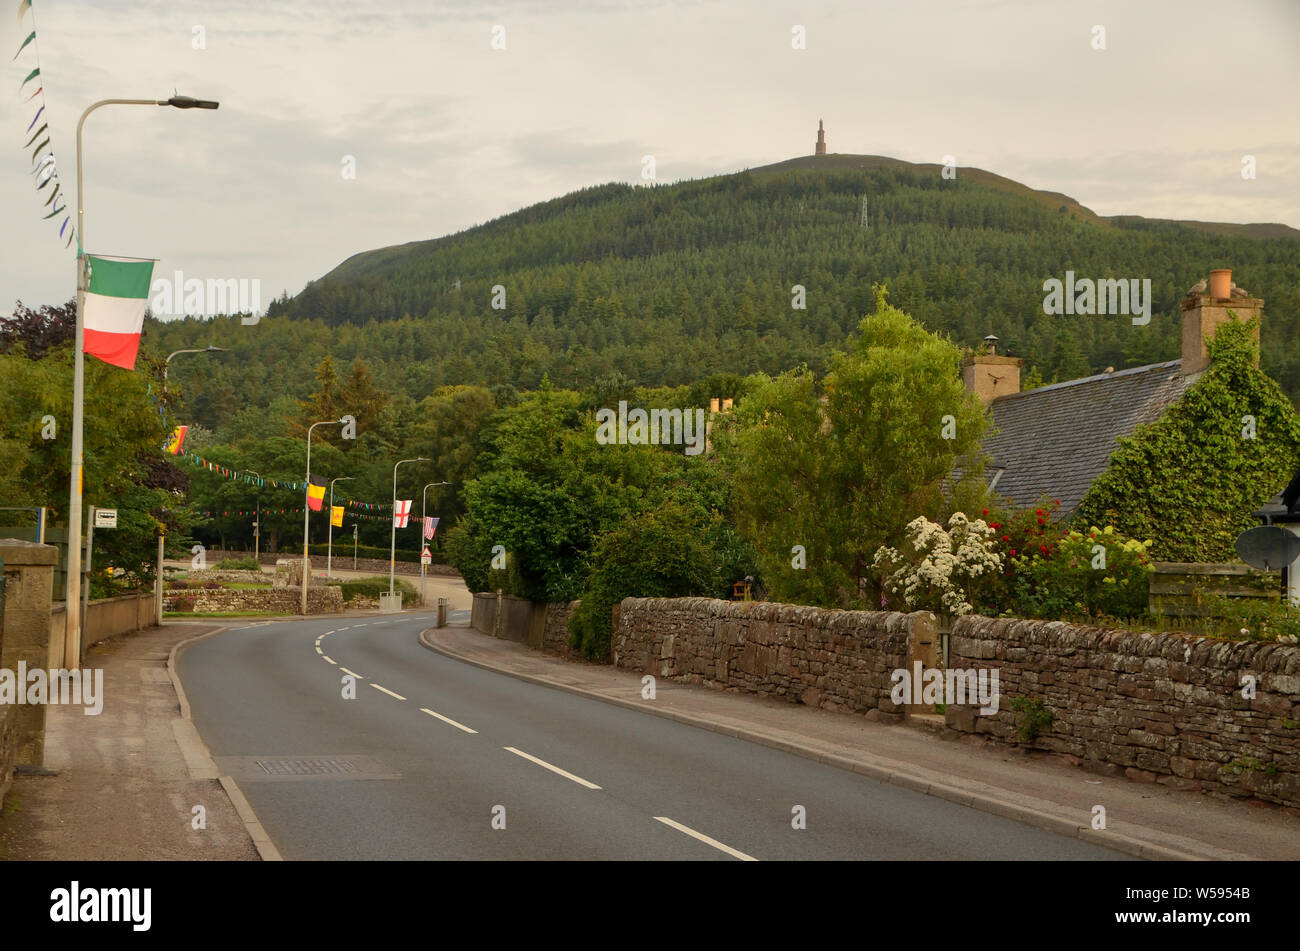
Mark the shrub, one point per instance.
(937, 569)
(1034, 717)
(1099, 573)
(374, 586)
(660, 554)
(240, 564)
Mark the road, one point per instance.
(431, 749)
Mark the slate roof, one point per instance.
(1056, 440)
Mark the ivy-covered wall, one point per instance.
(1191, 480)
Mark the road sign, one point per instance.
(1268, 547)
(426, 556)
(106, 518)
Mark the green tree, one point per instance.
(841, 474)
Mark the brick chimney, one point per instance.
(988, 375)
(1204, 312)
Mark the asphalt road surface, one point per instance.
(433, 756)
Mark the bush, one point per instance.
(240, 564)
(940, 570)
(1253, 619)
(1095, 574)
(470, 554)
(374, 586)
(660, 554)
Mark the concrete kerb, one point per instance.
(955, 794)
(196, 754)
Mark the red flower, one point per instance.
(1013, 553)
(984, 512)
(1006, 538)
(1038, 511)
(1041, 522)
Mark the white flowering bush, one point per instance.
(940, 569)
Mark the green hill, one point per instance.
(671, 283)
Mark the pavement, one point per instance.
(1145, 820)
(124, 784)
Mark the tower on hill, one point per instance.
(821, 139)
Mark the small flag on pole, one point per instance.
(315, 493)
(177, 440)
(116, 299)
(430, 526)
(402, 513)
(336, 516)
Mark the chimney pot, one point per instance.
(1221, 282)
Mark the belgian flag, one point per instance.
(315, 492)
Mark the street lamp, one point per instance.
(257, 519)
(329, 551)
(162, 535)
(306, 512)
(168, 361)
(423, 496)
(392, 552)
(72, 628)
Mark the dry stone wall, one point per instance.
(1160, 707)
(321, 599)
(819, 657)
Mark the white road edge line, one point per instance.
(389, 692)
(459, 726)
(319, 651)
(352, 673)
(328, 660)
(705, 839)
(554, 769)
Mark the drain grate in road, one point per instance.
(313, 767)
(305, 767)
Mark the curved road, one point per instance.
(416, 766)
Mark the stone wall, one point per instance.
(1159, 707)
(24, 639)
(528, 622)
(823, 658)
(321, 599)
(555, 632)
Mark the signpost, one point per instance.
(105, 518)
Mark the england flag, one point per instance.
(401, 513)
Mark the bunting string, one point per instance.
(225, 472)
(44, 168)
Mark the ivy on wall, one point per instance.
(1190, 480)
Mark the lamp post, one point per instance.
(306, 512)
(257, 519)
(329, 551)
(392, 552)
(72, 636)
(423, 497)
(162, 535)
(167, 363)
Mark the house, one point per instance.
(1055, 441)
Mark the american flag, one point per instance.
(401, 513)
(430, 526)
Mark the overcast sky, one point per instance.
(448, 132)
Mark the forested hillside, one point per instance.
(668, 284)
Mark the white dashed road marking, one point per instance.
(554, 769)
(705, 839)
(459, 726)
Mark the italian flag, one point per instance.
(115, 303)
